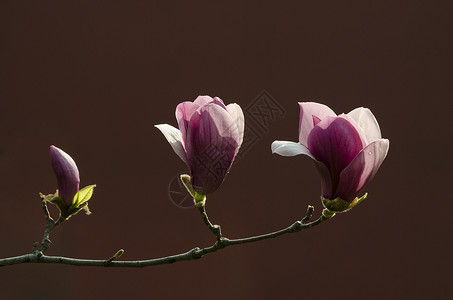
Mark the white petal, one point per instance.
(174, 137)
(286, 148)
(238, 118)
(366, 120)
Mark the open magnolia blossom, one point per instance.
(209, 137)
(347, 149)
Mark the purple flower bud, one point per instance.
(209, 137)
(67, 174)
(347, 149)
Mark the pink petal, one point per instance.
(211, 145)
(67, 174)
(309, 110)
(173, 136)
(316, 120)
(184, 112)
(366, 120)
(335, 142)
(362, 169)
(219, 102)
(202, 100)
(326, 179)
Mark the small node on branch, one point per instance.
(222, 242)
(297, 226)
(195, 253)
(217, 231)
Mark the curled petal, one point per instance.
(335, 142)
(67, 174)
(309, 110)
(287, 148)
(212, 143)
(173, 137)
(219, 102)
(203, 100)
(362, 169)
(366, 120)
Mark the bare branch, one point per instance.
(195, 253)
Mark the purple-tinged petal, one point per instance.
(173, 136)
(212, 143)
(361, 170)
(286, 148)
(184, 112)
(335, 142)
(357, 128)
(316, 120)
(203, 100)
(237, 115)
(307, 111)
(326, 179)
(219, 102)
(366, 120)
(67, 174)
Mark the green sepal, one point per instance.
(338, 205)
(86, 209)
(79, 203)
(327, 214)
(82, 196)
(199, 200)
(56, 200)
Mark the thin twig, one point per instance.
(216, 230)
(50, 225)
(117, 254)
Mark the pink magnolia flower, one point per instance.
(209, 137)
(67, 174)
(348, 149)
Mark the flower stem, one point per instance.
(50, 225)
(214, 228)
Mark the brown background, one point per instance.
(93, 77)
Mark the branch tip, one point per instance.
(117, 254)
(308, 214)
(34, 247)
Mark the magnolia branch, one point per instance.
(222, 242)
(50, 225)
